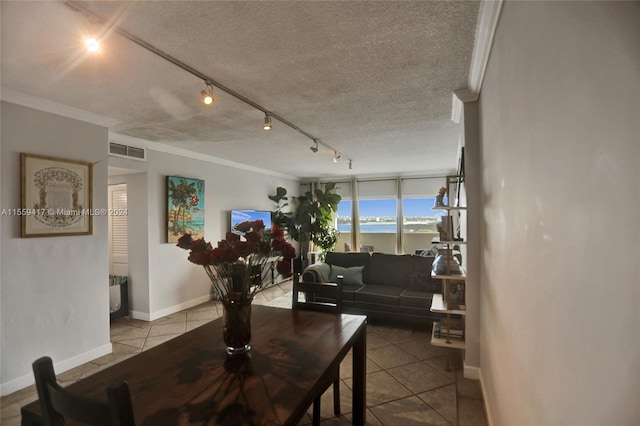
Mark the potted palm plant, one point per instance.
(311, 220)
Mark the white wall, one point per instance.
(174, 282)
(55, 298)
(560, 248)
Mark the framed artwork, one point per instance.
(455, 296)
(185, 208)
(57, 197)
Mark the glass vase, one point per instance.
(236, 325)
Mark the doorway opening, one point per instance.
(118, 250)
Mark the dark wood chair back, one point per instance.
(59, 404)
(323, 297)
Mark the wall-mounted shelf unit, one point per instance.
(450, 331)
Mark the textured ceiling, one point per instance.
(371, 79)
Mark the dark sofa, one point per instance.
(381, 285)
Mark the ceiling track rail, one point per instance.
(207, 79)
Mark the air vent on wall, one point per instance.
(133, 152)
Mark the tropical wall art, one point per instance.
(56, 197)
(185, 208)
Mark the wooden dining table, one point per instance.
(190, 380)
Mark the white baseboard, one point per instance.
(475, 373)
(487, 406)
(144, 316)
(59, 367)
(176, 308)
(471, 372)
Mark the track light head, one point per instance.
(314, 148)
(92, 45)
(336, 157)
(350, 165)
(267, 122)
(207, 96)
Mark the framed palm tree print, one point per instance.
(185, 207)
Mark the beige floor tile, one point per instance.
(346, 366)
(195, 324)
(171, 319)
(76, 373)
(471, 412)
(419, 377)
(11, 416)
(167, 329)
(440, 364)
(468, 388)
(423, 349)
(134, 343)
(402, 335)
(408, 412)
(155, 341)
(390, 356)
(28, 393)
(345, 420)
(204, 314)
(129, 322)
(375, 341)
(382, 387)
(273, 292)
(443, 400)
(129, 332)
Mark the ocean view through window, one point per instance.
(378, 224)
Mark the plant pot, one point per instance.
(299, 264)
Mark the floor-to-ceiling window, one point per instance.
(391, 215)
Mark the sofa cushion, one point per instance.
(352, 276)
(349, 292)
(389, 269)
(348, 260)
(415, 299)
(420, 281)
(379, 294)
(422, 263)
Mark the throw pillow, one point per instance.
(352, 276)
(421, 281)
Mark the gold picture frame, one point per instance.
(57, 197)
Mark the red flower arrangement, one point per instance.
(236, 267)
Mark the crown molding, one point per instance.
(30, 101)
(488, 17)
(168, 149)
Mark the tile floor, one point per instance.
(406, 379)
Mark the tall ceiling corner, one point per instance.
(488, 17)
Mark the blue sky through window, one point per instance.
(412, 207)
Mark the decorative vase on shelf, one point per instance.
(236, 324)
(439, 265)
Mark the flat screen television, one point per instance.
(239, 216)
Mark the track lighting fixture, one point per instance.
(207, 95)
(350, 165)
(92, 45)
